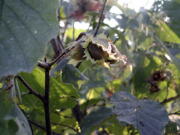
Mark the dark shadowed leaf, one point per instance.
(174, 50)
(59, 66)
(26, 27)
(5, 104)
(146, 115)
(171, 128)
(94, 119)
(70, 74)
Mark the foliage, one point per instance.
(101, 80)
(146, 115)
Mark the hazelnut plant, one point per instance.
(57, 79)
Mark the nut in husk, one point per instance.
(98, 50)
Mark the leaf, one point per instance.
(62, 95)
(146, 115)
(61, 64)
(175, 106)
(98, 77)
(172, 128)
(26, 27)
(1, 7)
(8, 127)
(5, 104)
(94, 119)
(21, 121)
(166, 33)
(72, 75)
(171, 8)
(174, 51)
(12, 120)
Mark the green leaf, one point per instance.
(26, 27)
(62, 95)
(12, 120)
(72, 75)
(171, 8)
(8, 127)
(1, 8)
(94, 119)
(166, 33)
(5, 103)
(171, 128)
(146, 115)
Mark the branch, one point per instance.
(62, 55)
(170, 99)
(46, 101)
(78, 114)
(31, 91)
(63, 125)
(47, 66)
(100, 18)
(41, 127)
(175, 113)
(43, 64)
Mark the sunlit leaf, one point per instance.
(166, 33)
(171, 8)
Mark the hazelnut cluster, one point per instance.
(97, 49)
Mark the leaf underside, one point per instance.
(146, 115)
(25, 28)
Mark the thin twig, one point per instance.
(170, 99)
(37, 125)
(31, 91)
(46, 102)
(63, 125)
(100, 18)
(47, 66)
(41, 127)
(175, 113)
(57, 46)
(62, 55)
